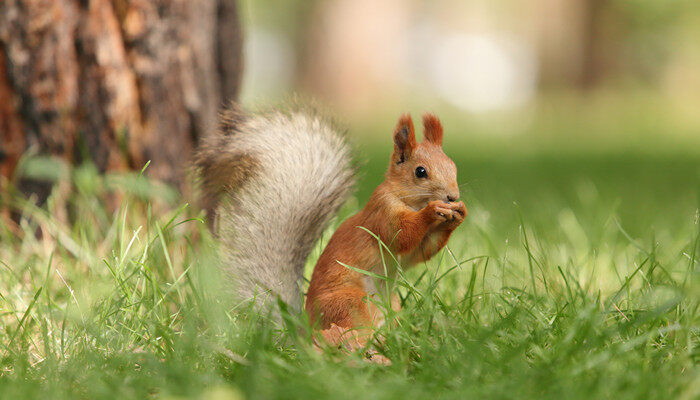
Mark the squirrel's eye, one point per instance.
(421, 172)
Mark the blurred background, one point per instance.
(578, 111)
(500, 64)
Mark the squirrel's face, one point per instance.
(421, 172)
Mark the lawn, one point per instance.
(574, 276)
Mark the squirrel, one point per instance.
(271, 183)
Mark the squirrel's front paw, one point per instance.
(439, 210)
(458, 212)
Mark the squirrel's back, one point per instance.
(271, 183)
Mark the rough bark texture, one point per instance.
(117, 82)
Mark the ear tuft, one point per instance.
(404, 139)
(432, 129)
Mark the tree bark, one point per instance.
(114, 82)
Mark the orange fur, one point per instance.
(433, 129)
(414, 216)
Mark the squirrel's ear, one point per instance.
(404, 139)
(432, 129)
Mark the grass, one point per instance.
(574, 276)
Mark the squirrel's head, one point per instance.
(421, 172)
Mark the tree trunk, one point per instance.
(593, 66)
(114, 82)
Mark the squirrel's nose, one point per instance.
(451, 198)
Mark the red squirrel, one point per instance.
(414, 212)
(272, 181)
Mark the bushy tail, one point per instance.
(271, 183)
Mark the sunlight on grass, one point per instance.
(561, 295)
